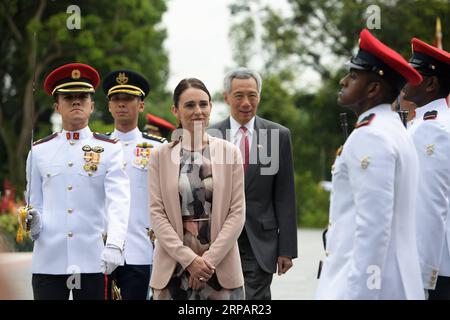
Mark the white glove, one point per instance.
(111, 258)
(34, 223)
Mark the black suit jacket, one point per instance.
(269, 192)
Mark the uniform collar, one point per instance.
(438, 104)
(127, 136)
(234, 126)
(381, 108)
(77, 135)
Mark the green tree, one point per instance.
(112, 34)
(320, 35)
(315, 32)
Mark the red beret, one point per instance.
(159, 122)
(429, 60)
(72, 77)
(375, 56)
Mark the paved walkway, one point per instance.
(299, 283)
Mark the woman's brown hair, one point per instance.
(182, 86)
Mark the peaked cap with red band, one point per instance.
(159, 122)
(72, 77)
(375, 56)
(429, 60)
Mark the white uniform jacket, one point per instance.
(430, 131)
(137, 149)
(371, 250)
(80, 188)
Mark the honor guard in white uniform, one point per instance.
(126, 91)
(371, 248)
(430, 131)
(79, 194)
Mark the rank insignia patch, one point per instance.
(365, 162)
(430, 149)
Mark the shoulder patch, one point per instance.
(48, 138)
(365, 121)
(149, 136)
(104, 137)
(430, 115)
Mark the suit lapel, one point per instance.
(224, 126)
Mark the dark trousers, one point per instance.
(133, 281)
(84, 286)
(442, 290)
(257, 281)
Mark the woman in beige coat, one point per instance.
(197, 206)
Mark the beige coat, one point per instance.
(227, 217)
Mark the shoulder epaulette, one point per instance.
(48, 138)
(365, 121)
(430, 115)
(104, 137)
(153, 137)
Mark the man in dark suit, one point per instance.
(269, 239)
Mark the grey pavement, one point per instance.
(299, 283)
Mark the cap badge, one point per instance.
(122, 78)
(76, 74)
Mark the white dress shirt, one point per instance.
(236, 134)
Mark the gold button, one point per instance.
(126, 144)
(69, 187)
(327, 253)
(70, 163)
(72, 143)
(90, 174)
(70, 234)
(70, 210)
(48, 175)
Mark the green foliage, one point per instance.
(321, 35)
(314, 202)
(8, 229)
(100, 126)
(114, 34)
(314, 31)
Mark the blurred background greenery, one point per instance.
(316, 35)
